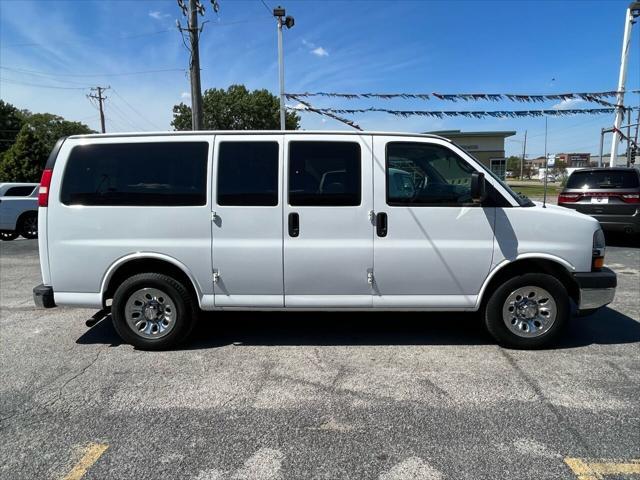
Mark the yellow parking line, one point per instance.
(596, 470)
(91, 455)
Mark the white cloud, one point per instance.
(185, 95)
(567, 104)
(320, 52)
(157, 15)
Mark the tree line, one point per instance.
(27, 138)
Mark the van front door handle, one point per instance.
(381, 224)
(294, 224)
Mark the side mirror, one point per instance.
(478, 187)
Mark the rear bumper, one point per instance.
(597, 289)
(616, 223)
(43, 296)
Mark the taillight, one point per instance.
(568, 197)
(43, 193)
(631, 197)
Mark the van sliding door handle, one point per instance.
(381, 224)
(294, 224)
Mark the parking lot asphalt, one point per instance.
(322, 395)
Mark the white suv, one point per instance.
(18, 210)
(159, 226)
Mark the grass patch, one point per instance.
(537, 190)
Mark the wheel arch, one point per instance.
(531, 263)
(142, 262)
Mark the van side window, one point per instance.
(423, 174)
(248, 174)
(324, 174)
(19, 191)
(137, 174)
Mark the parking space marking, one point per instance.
(91, 455)
(596, 470)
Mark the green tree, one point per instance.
(11, 121)
(513, 165)
(236, 109)
(25, 159)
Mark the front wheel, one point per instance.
(153, 311)
(527, 311)
(8, 235)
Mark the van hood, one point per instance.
(567, 212)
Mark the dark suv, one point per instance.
(610, 195)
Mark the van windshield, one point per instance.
(522, 200)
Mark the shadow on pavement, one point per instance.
(616, 239)
(606, 327)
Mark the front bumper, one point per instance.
(597, 289)
(43, 296)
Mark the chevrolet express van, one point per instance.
(157, 227)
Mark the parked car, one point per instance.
(18, 210)
(610, 195)
(156, 227)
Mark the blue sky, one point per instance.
(346, 46)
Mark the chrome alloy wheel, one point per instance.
(529, 311)
(150, 313)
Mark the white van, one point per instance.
(159, 226)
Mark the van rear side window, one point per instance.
(137, 174)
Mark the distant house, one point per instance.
(488, 147)
(574, 160)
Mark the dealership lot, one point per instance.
(309, 395)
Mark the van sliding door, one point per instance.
(328, 240)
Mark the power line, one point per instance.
(42, 86)
(269, 10)
(119, 74)
(136, 111)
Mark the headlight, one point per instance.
(599, 246)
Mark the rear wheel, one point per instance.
(153, 311)
(29, 225)
(8, 235)
(528, 311)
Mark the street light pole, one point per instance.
(288, 22)
(281, 70)
(632, 12)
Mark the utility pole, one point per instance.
(524, 150)
(288, 22)
(191, 13)
(633, 11)
(196, 92)
(101, 100)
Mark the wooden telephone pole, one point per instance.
(100, 98)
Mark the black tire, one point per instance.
(185, 311)
(497, 326)
(8, 235)
(28, 225)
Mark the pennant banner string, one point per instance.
(596, 97)
(309, 107)
(468, 114)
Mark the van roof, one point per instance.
(254, 132)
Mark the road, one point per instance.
(323, 396)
